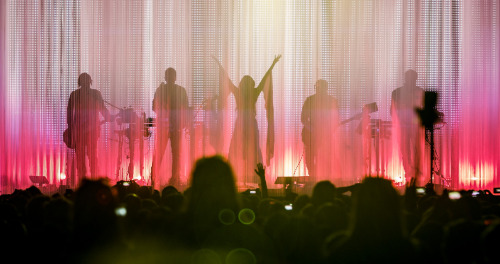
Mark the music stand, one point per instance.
(40, 180)
(428, 117)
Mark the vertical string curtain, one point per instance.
(362, 48)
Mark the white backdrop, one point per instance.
(362, 48)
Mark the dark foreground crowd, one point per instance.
(212, 223)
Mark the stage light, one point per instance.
(429, 116)
(62, 176)
(137, 178)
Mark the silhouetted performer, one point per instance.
(170, 105)
(244, 149)
(320, 119)
(404, 101)
(84, 107)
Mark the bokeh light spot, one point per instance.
(241, 256)
(227, 216)
(246, 216)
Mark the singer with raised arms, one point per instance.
(244, 149)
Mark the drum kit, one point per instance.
(137, 128)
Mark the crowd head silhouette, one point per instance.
(369, 222)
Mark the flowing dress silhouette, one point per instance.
(244, 149)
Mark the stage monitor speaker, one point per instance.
(40, 180)
(290, 180)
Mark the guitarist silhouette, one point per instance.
(320, 119)
(84, 106)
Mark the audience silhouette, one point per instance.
(211, 222)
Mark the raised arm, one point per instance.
(263, 81)
(261, 172)
(232, 87)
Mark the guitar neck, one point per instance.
(358, 116)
